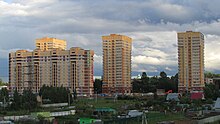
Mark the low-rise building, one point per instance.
(209, 80)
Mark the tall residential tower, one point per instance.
(191, 61)
(116, 64)
(50, 64)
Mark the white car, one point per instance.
(135, 113)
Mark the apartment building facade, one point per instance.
(55, 67)
(47, 43)
(116, 64)
(191, 61)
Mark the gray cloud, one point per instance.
(151, 23)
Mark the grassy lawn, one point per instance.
(14, 113)
(25, 112)
(101, 102)
(154, 117)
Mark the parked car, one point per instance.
(135, 113)
(123, 116)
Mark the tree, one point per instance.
(163, 75)
(98, 86)
(29, 100)
(4, 96)
(153, 82)
(143, 85)
(55, 94)
(185, 99)
(136, 86)
(211, 75)
(2, 83)
(146, 84)
(211, 92)
(163, 81)
(166, 83)
(16, 103)
(74, 95)
(174, 83)
(144, 75)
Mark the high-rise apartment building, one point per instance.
(191, 61)
(47, 43)
(116, 64)
(55, 67)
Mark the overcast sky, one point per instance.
(152, 24)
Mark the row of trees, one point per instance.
(28, 100)
(55, 94)
(150, 84)
(211, 75)
(147, 84)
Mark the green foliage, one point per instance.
(136, 86)
(17, 101)
(167, 83)
(163, 75)
(146, 84)
(2, 83)
(74, 95)
(55, 94)
(211, 91)
(27, 100)
(125, 97)
(211, 75)
(174, 81)
(185, 100)
(197, 103)
(4, 95)
(208, 101)
(144, 75)
(98, 86)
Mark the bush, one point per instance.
(125, 97)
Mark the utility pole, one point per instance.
(144, 119)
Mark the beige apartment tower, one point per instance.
(116, 64)
(191, 61)
(53, 66)
(47, 43)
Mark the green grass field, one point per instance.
(101, 102)
(154, 117)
